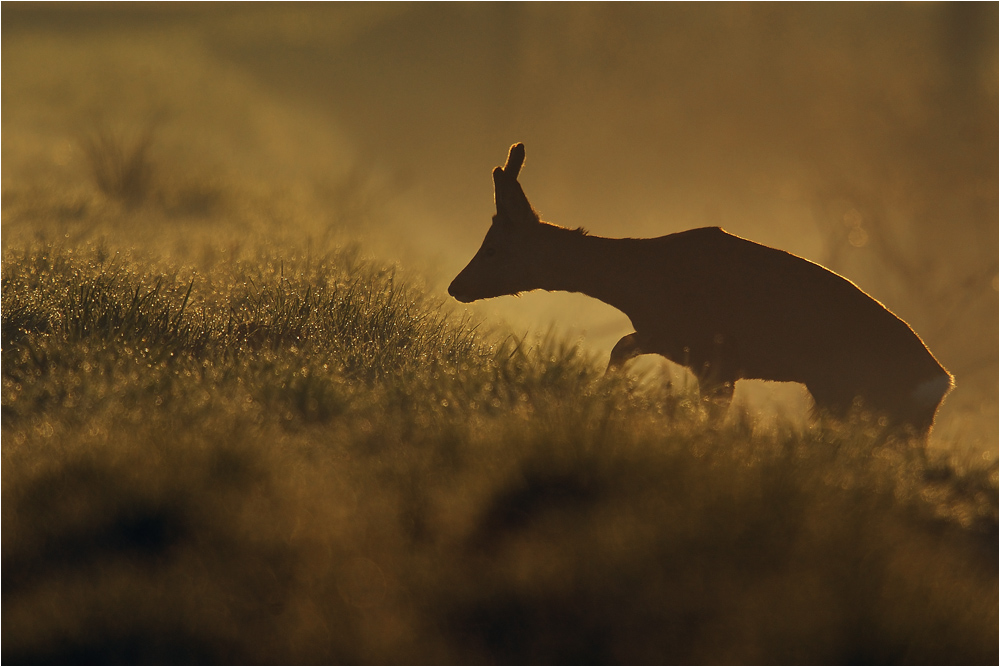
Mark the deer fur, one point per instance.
(725, 307)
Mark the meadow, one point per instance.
(240, 425)
(305, 456)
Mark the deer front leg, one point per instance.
(719, 394)
(716, 384)
(627, 348)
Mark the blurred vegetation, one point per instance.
(307, 460)
(233, 432)
(120, 170)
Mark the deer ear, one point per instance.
(507, 192)
(515, 158)
(498, 182)
(511, 203)
(499, 185)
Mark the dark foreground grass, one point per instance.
(307, 460)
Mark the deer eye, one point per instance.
(491, 251)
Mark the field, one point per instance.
(241, 423)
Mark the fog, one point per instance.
(860, 136)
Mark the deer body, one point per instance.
(725, 307)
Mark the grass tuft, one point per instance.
(121, 167)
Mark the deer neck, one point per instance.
(569, 260)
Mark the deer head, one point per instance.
(503, 264)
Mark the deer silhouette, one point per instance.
(723, 306)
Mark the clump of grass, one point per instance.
(121, 167)
(309, 460)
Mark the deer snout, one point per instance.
(455, 290)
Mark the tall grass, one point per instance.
(309, 460)
(120, 166)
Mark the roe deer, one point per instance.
(725, 307)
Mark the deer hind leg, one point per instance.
(625, 349)
(830, 401)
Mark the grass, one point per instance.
(121, 167)
(228, 437)
(307, 459)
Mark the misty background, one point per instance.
(860, 136)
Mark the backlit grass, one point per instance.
(308, 459)
(233, 433)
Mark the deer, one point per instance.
(725, 307)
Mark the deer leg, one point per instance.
(627, 348)
(717, 378)
(716, 395)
